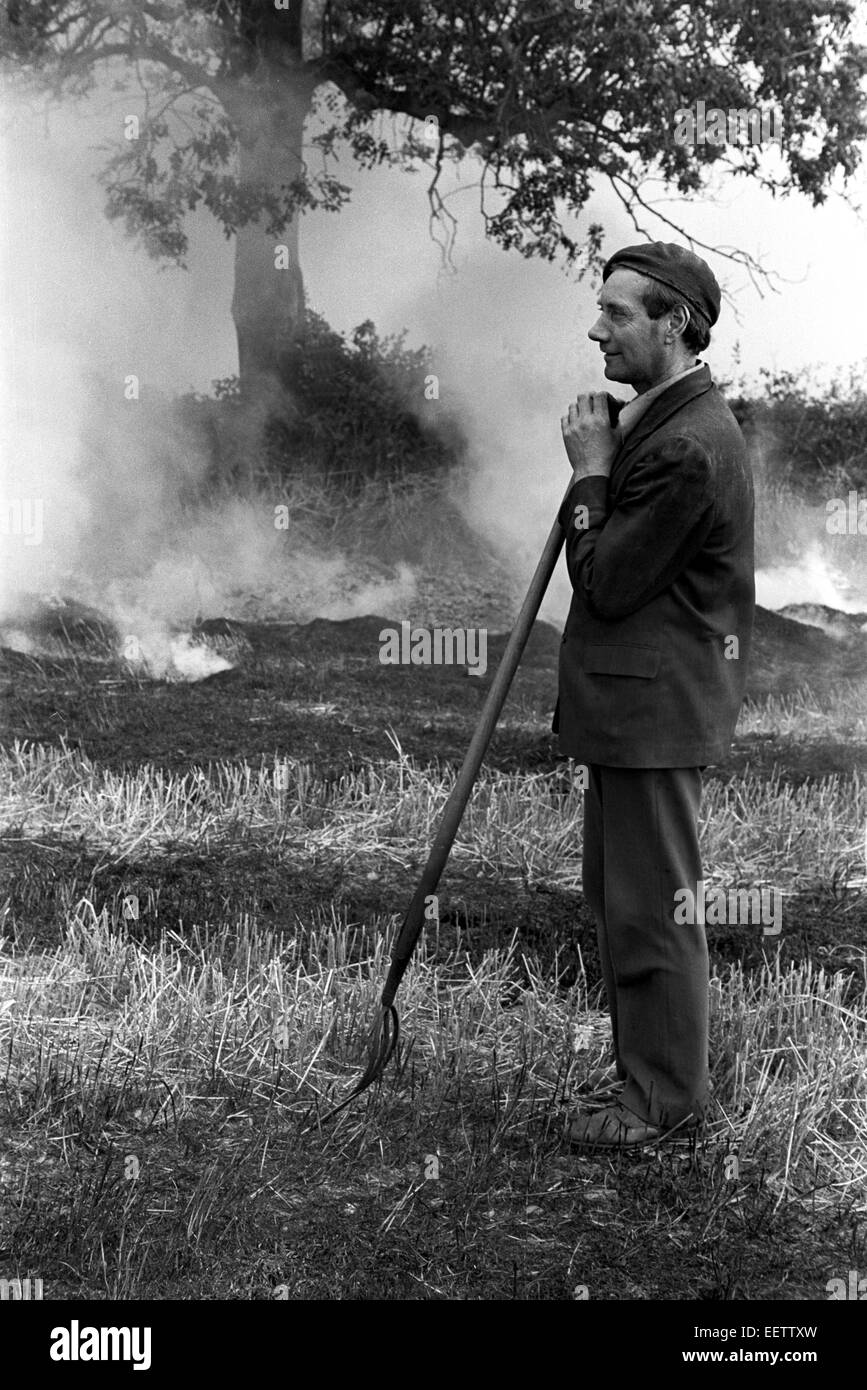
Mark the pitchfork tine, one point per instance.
(381, 1042)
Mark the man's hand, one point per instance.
(590, 440)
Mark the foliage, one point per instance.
(815, 435)
(358, 411)
(548, 94)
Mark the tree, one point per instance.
(548, 94)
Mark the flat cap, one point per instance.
(674, 266)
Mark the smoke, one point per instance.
(508, 389)
(102, 480)
(499, 376)
(102, 497)
(812, 579)
(799, 557)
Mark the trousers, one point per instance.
(640, 847)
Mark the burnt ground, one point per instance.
(317, 692)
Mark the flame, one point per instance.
(175, 657)
(812, 579)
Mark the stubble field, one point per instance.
(201, 883)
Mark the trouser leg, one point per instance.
(593, 884)
(641, 846)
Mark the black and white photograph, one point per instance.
(433, 655)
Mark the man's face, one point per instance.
(632, 342)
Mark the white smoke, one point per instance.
(498, 374)
(111, 472)
(156, 653)
(812, 579)
(92, 443)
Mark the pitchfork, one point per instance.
(383, 1037)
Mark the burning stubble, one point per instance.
(109, 496)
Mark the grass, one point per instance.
(161, 1112)
(527, 826)
(162, 1089)
(192, 949)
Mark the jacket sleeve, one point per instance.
(623, 554)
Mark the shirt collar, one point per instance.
(632, 412)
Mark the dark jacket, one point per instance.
(662, 567)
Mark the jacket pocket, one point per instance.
(609, 660)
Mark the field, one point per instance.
(193, 949)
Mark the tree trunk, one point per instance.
(268, 107)
(268, 300)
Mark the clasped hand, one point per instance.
(591, 440)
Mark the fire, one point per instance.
(178, 657)
(812, 579)
(52, 625)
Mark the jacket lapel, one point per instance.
(661, 410)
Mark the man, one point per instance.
(659, 547)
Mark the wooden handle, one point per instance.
(460, 795)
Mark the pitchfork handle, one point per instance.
(460, 795)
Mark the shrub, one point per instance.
(352, 408)
(816, 441)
